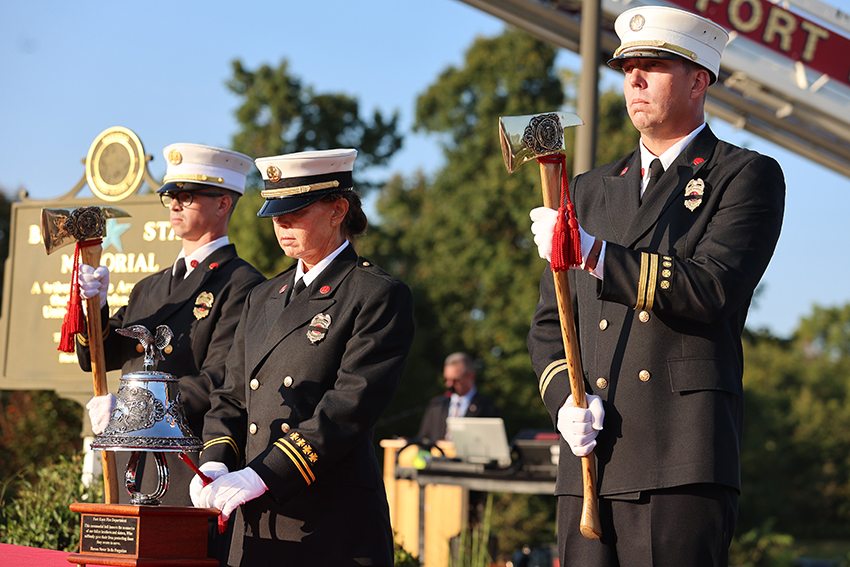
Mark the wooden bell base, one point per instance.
(150, 536)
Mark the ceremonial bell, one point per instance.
(148, 416)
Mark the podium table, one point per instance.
(427, 506)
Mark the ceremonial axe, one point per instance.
(86, 227)
(541, 137)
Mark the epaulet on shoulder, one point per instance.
(366, 263)
(371, 267)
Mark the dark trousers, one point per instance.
(685, 526)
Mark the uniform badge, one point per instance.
(637, 22)
(318, 327)
(273, 173)
(693, 193)
(175, 157)
(203, 304)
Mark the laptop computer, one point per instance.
(480, 440)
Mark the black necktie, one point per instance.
(297, 288)
(656, 170)
(179, 273)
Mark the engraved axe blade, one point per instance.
(534, 135)
(60, 227)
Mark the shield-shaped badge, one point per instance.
(693, 194)
(203, 304)
(318, 327)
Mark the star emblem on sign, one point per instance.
(114, 230)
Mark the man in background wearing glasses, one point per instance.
(200, 298)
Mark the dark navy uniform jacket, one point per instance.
(202, 313)
(660, 335)
(306, 382)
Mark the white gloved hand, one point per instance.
(212, 469)
(93, 281)
(231, 490)
(100, 410)
(543, 228)
(580, 426)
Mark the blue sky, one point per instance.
(71, 70)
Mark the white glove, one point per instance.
(543, 229)
(100, 410)
(231, 490)
(93, 281)
(212, 469)
(580, 426)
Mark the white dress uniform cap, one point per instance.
(659, 32)
(192, 165)
(295, 181)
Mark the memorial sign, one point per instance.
(36, 286)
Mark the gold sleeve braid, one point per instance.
(300, 453)
(84, 340)
(550, 372)
(651, 267)
(225, 440)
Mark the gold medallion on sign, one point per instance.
(203, 304)
(274, 173)
(115, 164)
(175, 157)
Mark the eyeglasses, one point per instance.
(185, 198)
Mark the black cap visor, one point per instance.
(285, 205)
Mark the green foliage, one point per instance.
(35, 427)
(279, 115)
(39, 514)
(402, 558)
(796, 452)
(524, 520)
(761, 547)
(473, 543)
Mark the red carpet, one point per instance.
(19, 556)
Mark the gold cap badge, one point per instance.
(274, 173)
(175, 157)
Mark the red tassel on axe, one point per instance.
(566, 242)
(73, 322)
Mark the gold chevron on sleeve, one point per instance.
(225, 440)
(297, 459)
(550, 372)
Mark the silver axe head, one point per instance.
(529, 137)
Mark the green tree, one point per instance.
(796, 453)
(279, 115)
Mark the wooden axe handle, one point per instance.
(91, 255)
(550, 176)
